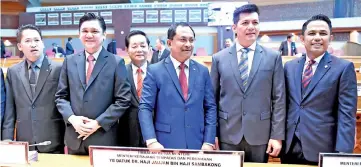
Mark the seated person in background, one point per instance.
(59, 51)
(30, 95)
(228, 42)
(288, 48)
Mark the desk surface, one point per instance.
(61, 160)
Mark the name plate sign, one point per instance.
(339, 160)
(13, 153)
(142, 157)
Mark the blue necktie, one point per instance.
(243, 66)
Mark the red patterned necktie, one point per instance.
(183, 81)
(307, 75)
(90, 60)
(139, 82)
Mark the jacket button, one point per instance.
(302, 107)
(33, 107)
(244, 96)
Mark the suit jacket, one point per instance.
(36, 117)
(112, 48)
(105, 98)
(325, 113)
(178, 123)
(60, 50)
(129, 128)
(69, 49)
(257, 112)
(2, 97)
(284, 48)
(155, 59)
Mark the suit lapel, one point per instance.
(257, 58)
(131, 80)
(100, 63)
(43, 75)
(232, 57)
(25, 78)
(80, 63)
(298, 76)
(321, 70)
(193, 73)
(172, 73)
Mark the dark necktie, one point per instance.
(243, 66)
(32, 79)
(183, 80)
(90, 60)
(307, 75)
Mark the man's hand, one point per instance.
(274, 147)
(207, 147)
(78, 124)
(216, 144)
(155, 145)
(91, 126)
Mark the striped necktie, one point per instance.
(307, 75)
(243, 66)
(139, 82)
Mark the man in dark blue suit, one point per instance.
(321, 98)
(288, 48)
(2, 98)
(69, 48)
(180, 91)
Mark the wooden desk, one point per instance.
(61, 160)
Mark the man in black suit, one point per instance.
(30, 89)
(161, 53)
(137, 46)
(69, 48)
(59, 51)
(288, 48)
(93, 91)
(112, 47)
(2, 49)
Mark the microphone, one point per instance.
(45, 143)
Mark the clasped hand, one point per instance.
(84, 126)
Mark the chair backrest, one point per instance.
(201, 52)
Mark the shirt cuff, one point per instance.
(151, 141)
(209, 144)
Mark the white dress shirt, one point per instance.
(289, 48)
(314, 66)
(95, 55)
(135, 73)
(176, 64)
(250, 54)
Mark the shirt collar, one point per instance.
(239, 46)
(95, 55)
(38, 62)
(176, 63)
(317, 60)
(143, 67)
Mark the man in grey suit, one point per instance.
(288, 48)
(161, 53)
(137, 46)
(93, 91)
(249, 87)
(2, 98)
(30, 89)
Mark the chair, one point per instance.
(50, 53)
(201, 52)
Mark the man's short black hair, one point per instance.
(135, 32)
(19, 31)
(320, 17)
(248, 8)
(54, 44)
(92, 16)
(289, 36)
(70, 38)
(172, 29)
